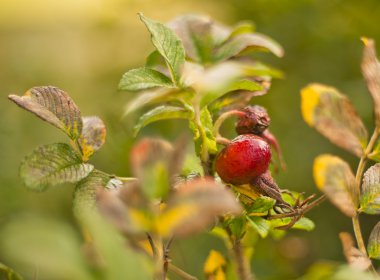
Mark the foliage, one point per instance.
(333, 115)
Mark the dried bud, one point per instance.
(255, 120)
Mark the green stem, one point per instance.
(359, 174)
(218, 123)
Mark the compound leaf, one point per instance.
(54, 106)
(143, 78)
(161, 113)
(370, 195)
(334, 177)
(51, 165)
(332, 114)
(93, 136)
(168, 45)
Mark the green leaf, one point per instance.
(332, 114)
(168, 45)
(161, 113)
(260, 225)
(261, 206)
(373, 246)
(371, 72)
(143, 78)
(154, 96)
(334, 177)
(49, 244)
(93, 136)
(84, 198)
(370, 195)
(54, 106)
(199, 34)
(154, 59)
(244, 42)
(207, 124)
(243, 27)
(302, 224)
(244, 84)
(51, 165)
(9, 273)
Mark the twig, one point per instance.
(358, 177)
(184, 275)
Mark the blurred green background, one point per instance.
(84, 46)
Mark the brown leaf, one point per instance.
(354, 257)
(371, 72)
(334, 177)
(93, 136)
(332, 114)
(54, 106)
(195, 206)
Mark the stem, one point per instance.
(204, 155)
(184, 275)
(218, 123)
(358, 177)
(243, 266)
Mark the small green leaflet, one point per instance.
(370, 195)
(302, 224)
(168, 45)
(51, 165)
(54, 106)
(161, 113)
(143, 78)
(374, 243)
(261, 206)
(260, 225)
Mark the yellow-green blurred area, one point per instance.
(84, 47)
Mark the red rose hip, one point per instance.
(244, 159)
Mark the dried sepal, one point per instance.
(354, 256)
(334, 177)
(370, 194)
(332, 114)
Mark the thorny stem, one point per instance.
(359, 174)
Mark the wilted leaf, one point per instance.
(54, 106)
(9, 273)
(371, 72)
(373, 246)
(260, 225)
(199, 35)
(213, 266)
(51, 165)
(168, 45)
(164, 112)
(93, 136)
(144, 78)
(334, 177)
(261, 206)
(243, 42)
(354, 257)
(370, 195)
(243, 27)
(332, 114)
(195, 206)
